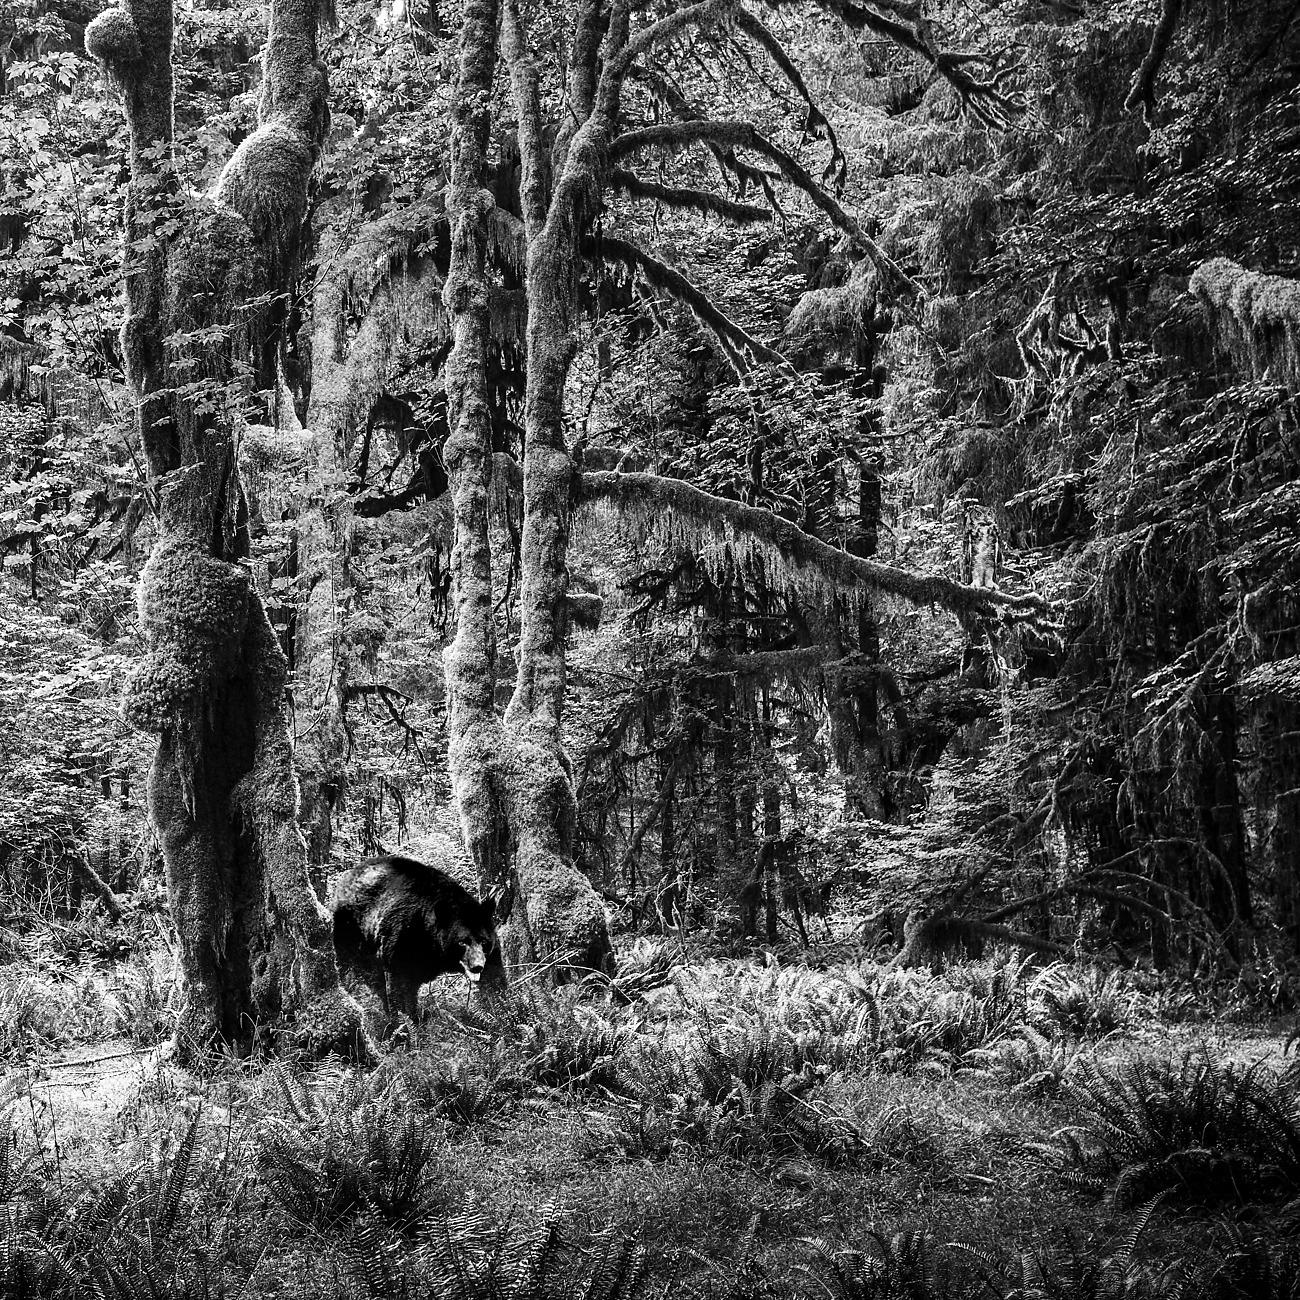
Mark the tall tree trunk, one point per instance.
(476, 736)
(772, 851)
(556, 911)
(324, 542)
(223, 797)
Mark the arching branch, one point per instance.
(985, 98)
(702, 14)
(666, 279)
(763, 532)
(815, 124)
(684, 197)
(742, 135)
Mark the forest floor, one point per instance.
(723, 1127)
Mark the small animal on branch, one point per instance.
(982, 548)
(399, 923)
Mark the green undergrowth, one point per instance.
(719, 1129)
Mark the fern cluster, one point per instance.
(1188, 1125)
(339, 1152)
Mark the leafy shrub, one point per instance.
(1189, 1125)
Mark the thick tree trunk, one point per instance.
(561, 912)
(223, 797)
(556, 914)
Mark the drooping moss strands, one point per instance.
(785, 550)
(1256, 316)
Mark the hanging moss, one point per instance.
(676, 515)
(1256, 316)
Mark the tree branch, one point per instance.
(704, 13)
(1143, 89)
(744, 136)
(986, 98)
(532, 149)
(659, 275)
(685, 197)
(730, 521)
(815, 124)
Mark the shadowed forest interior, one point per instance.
(649, 648)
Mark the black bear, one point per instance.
(398, 923)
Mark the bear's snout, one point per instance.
(473, 961)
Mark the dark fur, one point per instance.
(399, 923)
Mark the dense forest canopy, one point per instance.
(775, 469)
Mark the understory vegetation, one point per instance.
(700, 1125)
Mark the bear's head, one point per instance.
(475, 936)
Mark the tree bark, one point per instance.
(325, 548)
(476, 737)
(223, 798)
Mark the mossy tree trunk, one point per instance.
(202, 303)
(476, 737)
